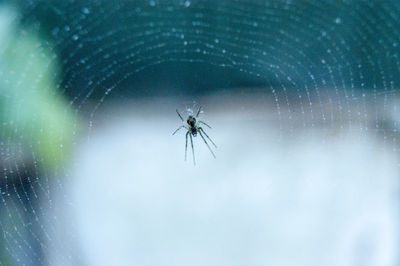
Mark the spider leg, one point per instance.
(177, 129)
(205, 141)
(191, 142)
(198, 112)
(179, 115)
(204, 123)
(202, 130)
(186, 145)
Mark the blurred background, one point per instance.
(303, 101)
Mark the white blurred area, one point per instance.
(287, 188)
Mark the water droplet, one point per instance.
(187, 3)
(338, 20)
(75, 37)
(152, 3)
(85, 10)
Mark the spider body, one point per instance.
(193, 127)
(191, 121)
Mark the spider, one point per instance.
(193, 127)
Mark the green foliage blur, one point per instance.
(33, 113)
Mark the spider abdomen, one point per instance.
(193, 130)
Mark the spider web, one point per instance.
(331, 64)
